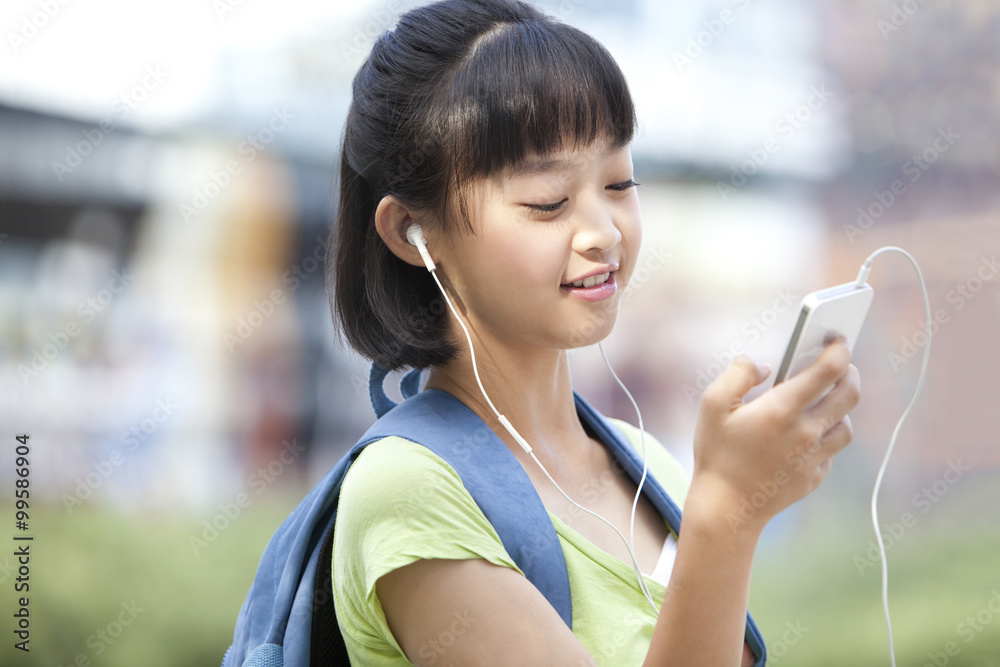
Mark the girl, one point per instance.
(504, 135)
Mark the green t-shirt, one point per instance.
(401, 503)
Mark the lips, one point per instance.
(593, 288)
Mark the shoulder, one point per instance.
(667, 469)
(405, 487)
(400, 503)
(392, 469)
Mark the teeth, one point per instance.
(592, 280)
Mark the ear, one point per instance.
(392, 219)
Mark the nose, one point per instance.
(596, 230)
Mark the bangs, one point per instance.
(528, 89)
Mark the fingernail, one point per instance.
(834, 337)
(763, 368)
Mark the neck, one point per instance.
(533, 390)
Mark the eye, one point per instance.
(547, 208)
(624, 185)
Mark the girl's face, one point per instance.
(554, 246)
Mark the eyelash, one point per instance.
(547, 208)
(555, 206)
(624, 185)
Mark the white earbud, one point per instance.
(415, 235)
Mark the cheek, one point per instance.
(630, 226)
(524, 257)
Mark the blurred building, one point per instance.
(779, 144)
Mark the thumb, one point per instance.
(727, 391)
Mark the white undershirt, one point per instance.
(665, 563)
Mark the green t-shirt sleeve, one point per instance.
(399, 503)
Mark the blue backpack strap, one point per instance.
(408, 386)
(275, 623)
(494, 478)
(629, 460)
(380, 402)
(276, 619)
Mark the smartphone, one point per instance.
(824, 315)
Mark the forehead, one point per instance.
(568, 158)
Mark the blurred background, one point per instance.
(165, 334)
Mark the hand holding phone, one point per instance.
(824, 315)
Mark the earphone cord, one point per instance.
(862, 277)
(642, 480)
(629, 544)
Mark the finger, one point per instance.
(808, 386)
(823, 469)
(727, 391)
(838, 436)
(841, 399)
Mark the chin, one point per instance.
(593, 328)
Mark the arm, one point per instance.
(488, 614)
(470, 612)
(777, 449)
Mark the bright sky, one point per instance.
(80, 56)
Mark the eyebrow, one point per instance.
(529, 167)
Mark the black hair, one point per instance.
(458, 91)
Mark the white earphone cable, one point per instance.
(629, 544)
(862, 277)
(645, 468)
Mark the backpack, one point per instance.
(288, 618)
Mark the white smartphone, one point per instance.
(823, 315)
